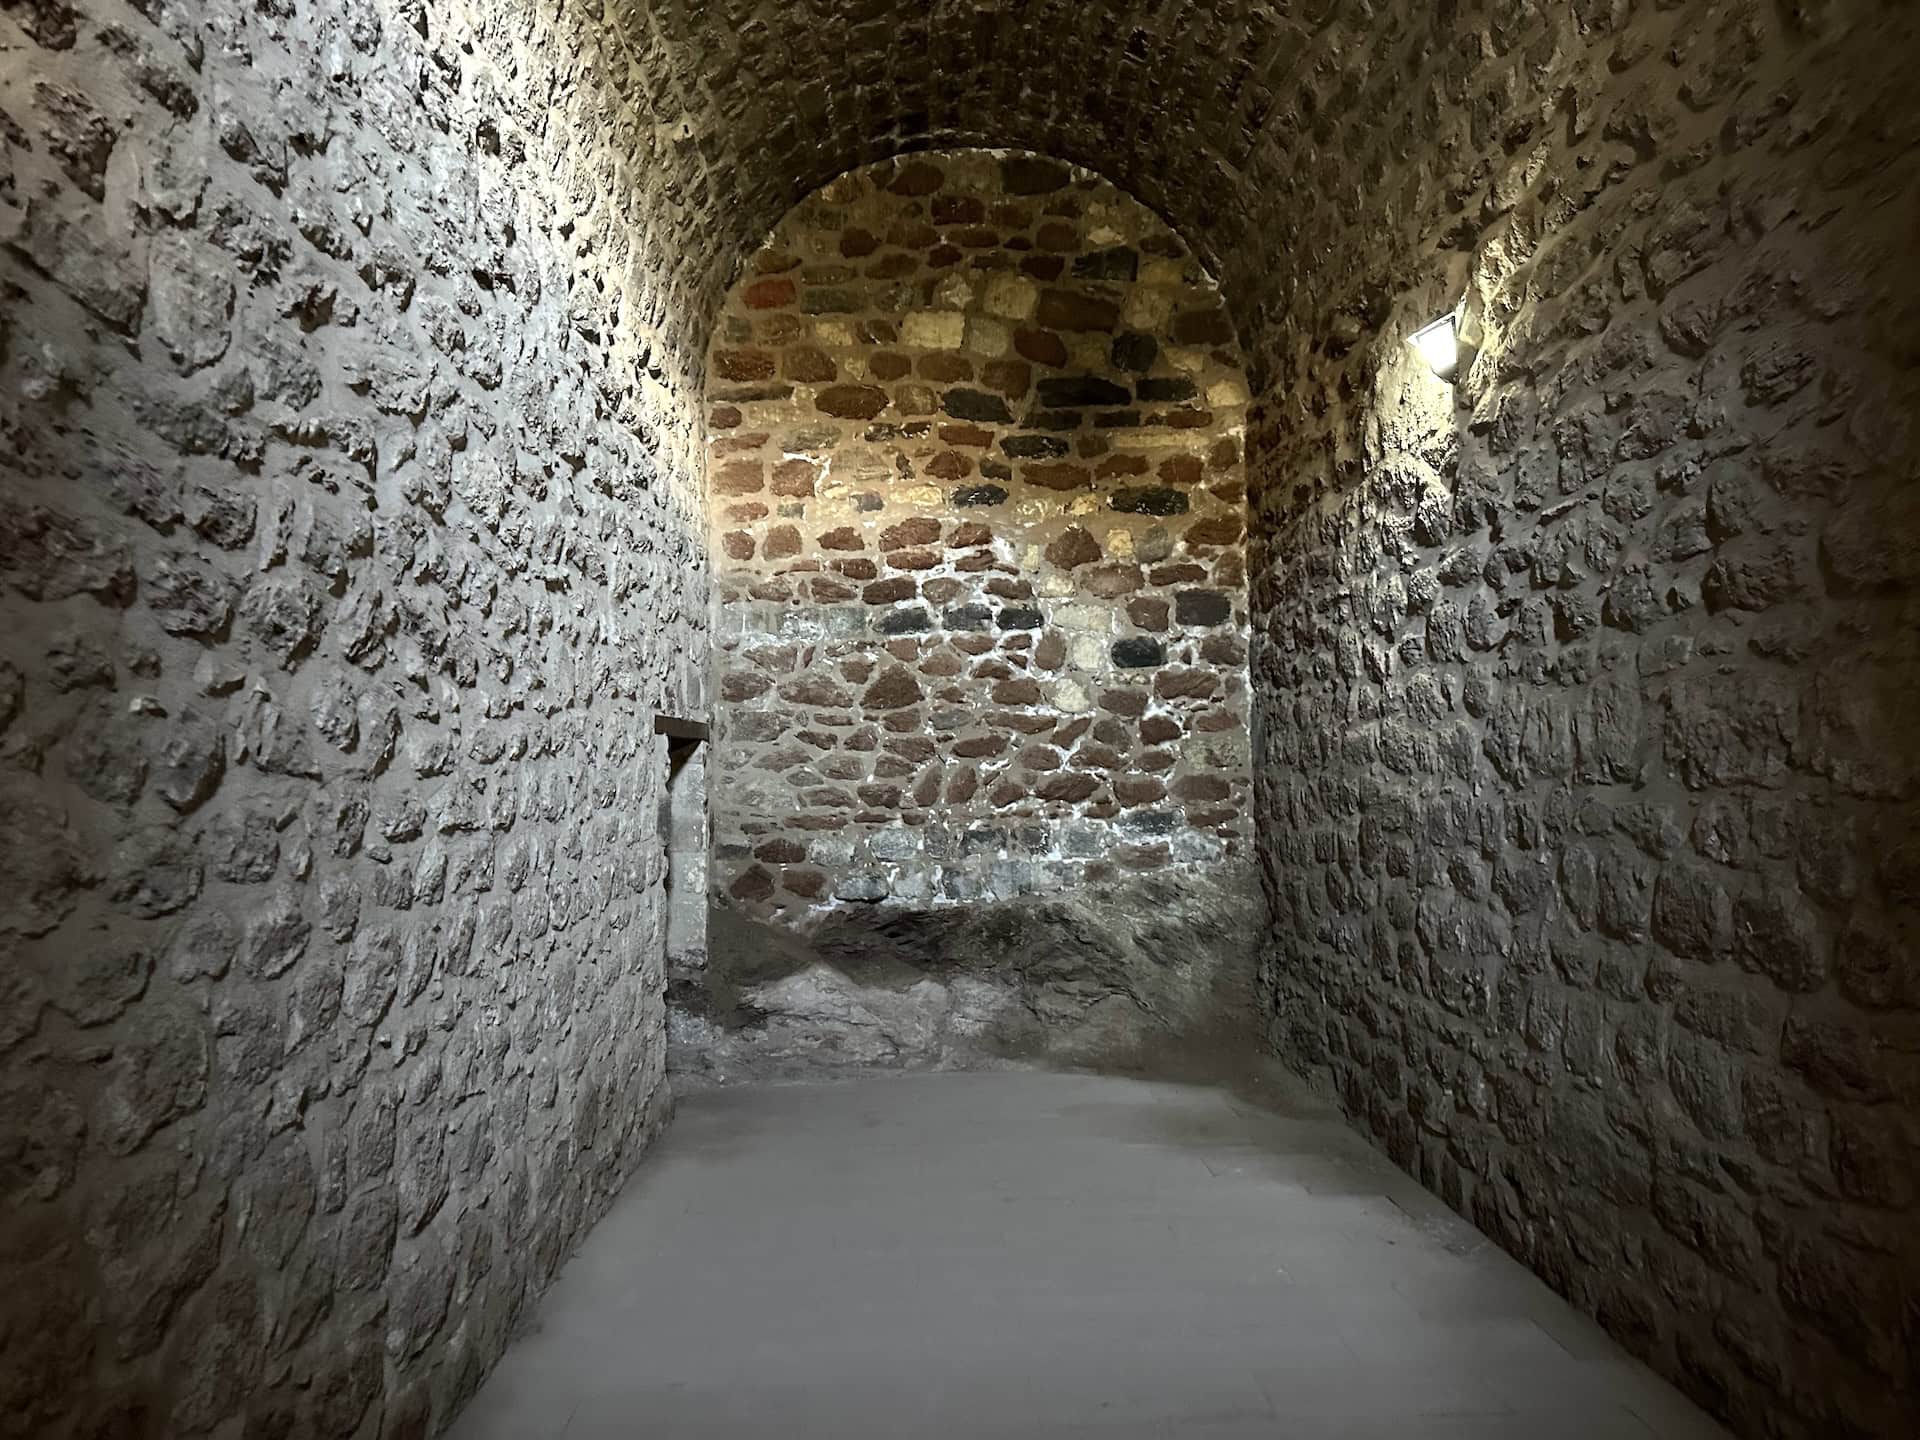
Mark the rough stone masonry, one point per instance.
(1583, 764)
(347, 546)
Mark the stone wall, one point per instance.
(1584, 722)
(979, 538)
(348, 541)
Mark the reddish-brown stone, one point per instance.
(971, 436)
(894, 265)
(1073, 547)
(1051, 652)
(1148, 612)
(1024, 721)
(857, 569)
(943, 368)
(808, 365)
(962, 785)
(755, 883)
(1012, 378)
(1201, 788)
(1040, 757)
(743, 364)
(891, 590)
(1073, 310)
(1137, 789)
(747, 512)
(1221, 648)
(830, 592)
(1115, 466)
(941, 665)
(950, 465)
(738, 544)
(1155, 761)
(723, 417)
(1067, 786)
(916, 559)
(844, 537)
(1215, 530)
(781, 327)
(1131, 703)
(1214, 721)
(941, 589)
(1060, 476)
(894, 690)
(795, 477)
(857, 244)
(743, 685)
(1006, 794)
(1180, 470)
(815, 690)
(973, 560)
(1009, 589)
(1072, 730)
(976, 747)
(805, 882)
(1178, 573)
(739, 477)
(781, 541)
(780, 852)
(1043, 347)
(851, 402)
(816, 822)
(1158, 729)
(1176, 684)
(970, 533)
(1225, 453)
(1016, 692)
(740, 444)
(918, 530)
(770, 294)
(1187, 419)
(1058, 236)
(888, 365)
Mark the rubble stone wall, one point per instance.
(350, 535)
(978, 505)
(1585, 695)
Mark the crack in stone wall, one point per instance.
(350, 531)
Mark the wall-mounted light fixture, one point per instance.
(1443, 346)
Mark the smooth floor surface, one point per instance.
(1020, 1254)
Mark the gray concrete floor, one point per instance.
(1021, 1254)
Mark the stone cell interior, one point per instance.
(404, 404)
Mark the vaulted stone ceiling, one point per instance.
(1211, 111)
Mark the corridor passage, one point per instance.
(1023, 1254)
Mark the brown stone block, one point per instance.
(1148, 612)
(738, 544)
(971, 436)
(891, 767)
(888, 365)
(905, 722)
(1203, 327)
(781, 327)
(809, 365)
(941, 588)
(1016, 692)
(814, 690)
(944, 368)
(977, 237)
(941, 256)
(1158, 729)
(843, 537)
(1010, 589)
(976, 747)
(1133, 790)
(1181, 470)
(1208, 819)
(958, 210)
(830, 592)
(915, 400)
(926, 790)
(1099, 757)
(941, 665)
(816, 822)
(780, 852)
(1202, 788)
(917, 530)
(743, 685)
(857, 244)
(1041, 757)
(918, 559)
(1051, 652)
(1043, 267)
(1110, 730)
(1012, 378)
(805, 882)
(880, 797)
(1223, 649)
(747, 513)
(1178, 573)
(894, 690)
(755, 883)
(739, 477)
(950, 465)
(1215, 530)
(743, 364)
(891, 590)
(1116, 466)
(1130, 703)
(795, 478)
(740, 444)
(1076, 310)
(1225, 453)
(971, 644)
(781, 541)
(1043, 347)
(777, 590)
(968, 534)
(1068, 786)
(775, 262)
(1177, 684)
(851, 402)
(1023, 721)
(1073, 547)
(1155, 762)
(1060, 476)
(857, 569)
(1006, 793)
(723, 417)
(770, 294)
(1072, 730)
(1058, 236)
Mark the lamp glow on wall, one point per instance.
(1444, 345)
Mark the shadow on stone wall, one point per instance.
(1141, 976)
